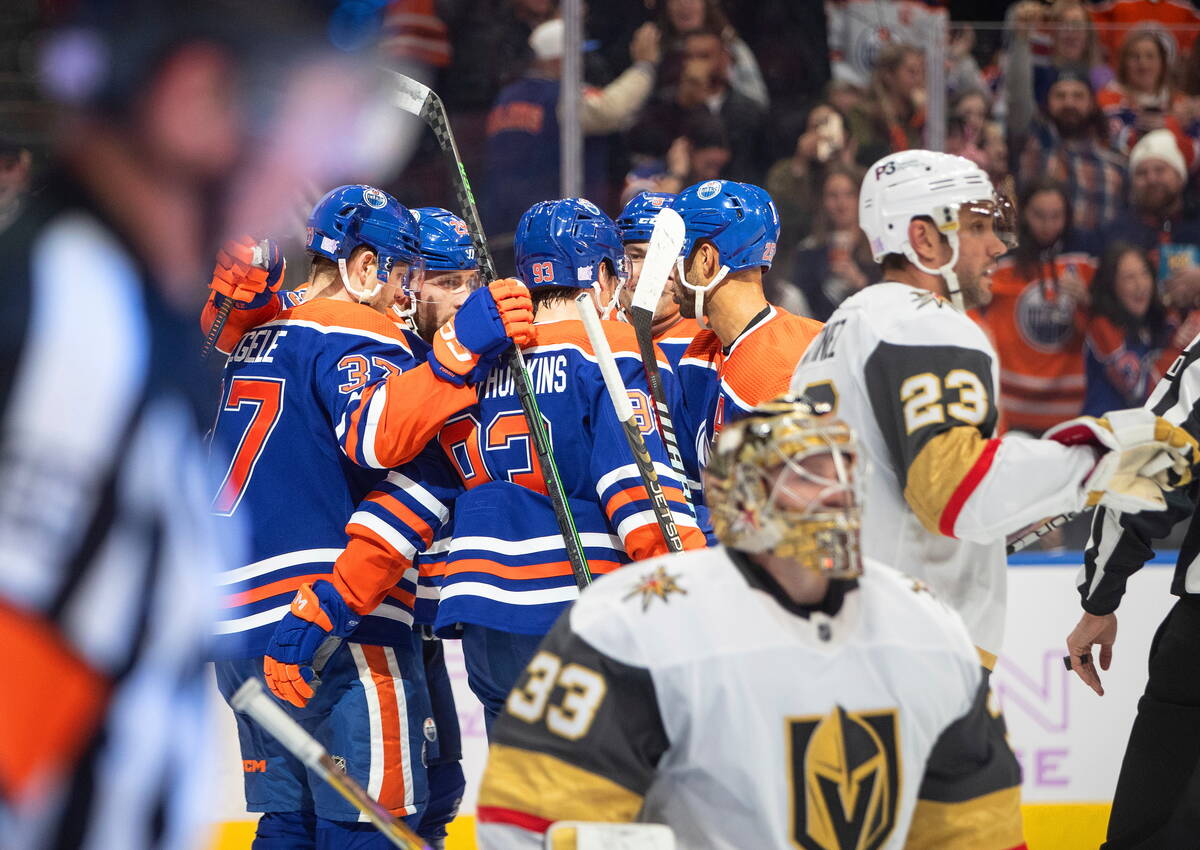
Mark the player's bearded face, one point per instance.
(979, 248)
(440, 296)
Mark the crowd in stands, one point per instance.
(1087, 113)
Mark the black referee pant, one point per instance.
(1157, 801)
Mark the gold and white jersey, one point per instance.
(691, 690)
(916, 380)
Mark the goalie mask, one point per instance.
(783, 482)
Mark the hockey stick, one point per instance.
(259, 259)
(418, 99)
(1040, 532)
(620, 400)
(666, 241)
(252, 699)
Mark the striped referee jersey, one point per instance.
(1121, 543)
(107, 546)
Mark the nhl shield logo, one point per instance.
(845, 778)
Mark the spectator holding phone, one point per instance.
(1141, 98)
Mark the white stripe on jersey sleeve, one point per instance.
(665, 473)
(411, 488)
(278, 562)
(390, 535)
(643, 518)
(371, 429)
(245, 624)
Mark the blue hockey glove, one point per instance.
(466, 348)
(318, 614)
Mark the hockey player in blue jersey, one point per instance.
(507, 576)
(451, 271)
(671, 331)
(314, 408)
(748, 347)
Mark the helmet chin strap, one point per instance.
(609, 310)
(359, 295)
(946, 272)
(700, 290)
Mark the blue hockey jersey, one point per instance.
(506, 566)
(306, 432)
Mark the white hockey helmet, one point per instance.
(912, 183)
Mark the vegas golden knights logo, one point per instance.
(845, 779)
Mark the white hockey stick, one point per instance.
(624, 408)
(666, 241)
(252, 699)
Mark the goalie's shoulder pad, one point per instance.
(653, 611)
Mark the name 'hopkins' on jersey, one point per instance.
(506, 538)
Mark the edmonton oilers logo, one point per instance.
(374, 198)
(1045, 323)
(709, 190)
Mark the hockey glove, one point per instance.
(318, 615)
(237, 277)
(466, 348)
(1143, 455)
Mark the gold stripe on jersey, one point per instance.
(938, 469)
(547, 787)
(987, 659)
(990, 822)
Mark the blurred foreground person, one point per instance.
(107, 550)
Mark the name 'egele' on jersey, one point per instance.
(299, 436)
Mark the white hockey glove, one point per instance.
(1143, 455)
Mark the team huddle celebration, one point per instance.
(722, 562)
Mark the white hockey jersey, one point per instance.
(690, 690)
(917, 380)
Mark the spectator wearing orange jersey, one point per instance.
(1177, 19)
(1132, 339)
(1038, 312)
